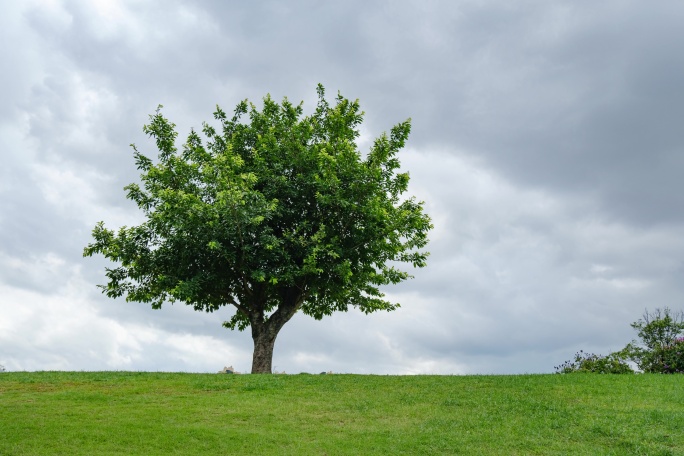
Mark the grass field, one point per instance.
(127, 413)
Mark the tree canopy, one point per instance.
(273, 214)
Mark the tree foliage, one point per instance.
(660, 350)
(273, 214)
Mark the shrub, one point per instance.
(589, 362)
(673, 357)
(668, 359)
(660, 351)
(662, 346)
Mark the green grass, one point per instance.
(127, 413)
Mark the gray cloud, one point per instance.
(545, 144)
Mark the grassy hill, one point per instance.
(127, 413)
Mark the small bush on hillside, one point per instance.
(672, 357)
(589, 362)
(661, 349)
(666, 359)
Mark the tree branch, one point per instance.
(239, 307)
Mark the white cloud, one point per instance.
(59, 327)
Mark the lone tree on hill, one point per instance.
(274, 215)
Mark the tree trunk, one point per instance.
(265, 330)
(264, 341)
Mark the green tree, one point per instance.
(274, 215)
(660, 349)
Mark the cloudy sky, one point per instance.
(547, 143)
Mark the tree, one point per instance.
(272, 216)
(661, 349)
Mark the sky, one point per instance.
(547, 144)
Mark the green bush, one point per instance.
(672, 357)
(589, 362)
(667, 359)
(661, 349)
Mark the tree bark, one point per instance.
(265, 331)
(264, 341)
